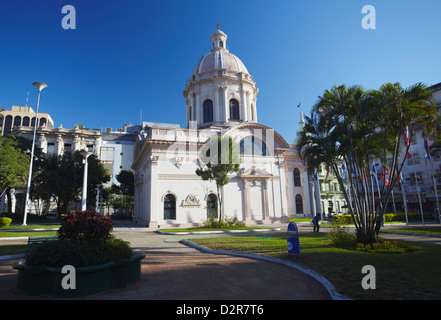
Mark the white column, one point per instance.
(155, 210)
(226, 111)
(216, 107)
(198, 109)
(243, 104)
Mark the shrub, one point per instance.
(4, 222)
(343, 219)
(85, 226)
(78, 254)
(340, 238)
(385, 246)
(228, 223)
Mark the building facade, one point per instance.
(220, 100)
(22, 116)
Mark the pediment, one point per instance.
(256, 173)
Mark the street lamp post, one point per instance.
(40, 86)
(85, 154)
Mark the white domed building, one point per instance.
(220, 98)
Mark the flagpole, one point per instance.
(436, 192)
(418, 189)
(426, 146)
(403, 195)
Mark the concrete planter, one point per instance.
(38, 280)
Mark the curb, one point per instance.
(12, 256)
(325, 282)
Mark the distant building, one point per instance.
(22, 116)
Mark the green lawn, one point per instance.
(198, 229)
(413, 275)
(428, 229)
(6, 234)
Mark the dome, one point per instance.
(219, 58)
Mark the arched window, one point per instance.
(297, 182)
(252, 146)
(33, 122)
(208, 111)
(17, 121)
(169, 207)
(42, 122)
(234, 109)
(221, 44)
(8, 125)
(211, 206)
(26, 121)
(299, 204)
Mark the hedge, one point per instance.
(4, 222)
(388, 217)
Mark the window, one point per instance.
(208, 111)
(8, 124)
(17, 121)
(211, 206)
(299, 204)
(42, 122)
(297, 182)
(26, 121)
(51, 150)
(67, 146)
(169, 207)
(234, 109)
(252, 146)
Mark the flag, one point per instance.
(426, 146)
(406, 137)
(386, 176)
(327, 173)
(374, 173)
(343, 167)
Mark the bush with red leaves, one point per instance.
(85, 226)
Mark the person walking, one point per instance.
(316, 224)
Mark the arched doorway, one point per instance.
(169, 207)
(211, 206)
(299, 204)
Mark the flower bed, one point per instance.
(100, 261)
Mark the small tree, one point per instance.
(221, 158)
(14, 166)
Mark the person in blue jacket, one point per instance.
(315, 222)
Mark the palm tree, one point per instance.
(354, 126)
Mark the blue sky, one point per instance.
(133, 55)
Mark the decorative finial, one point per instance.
(218, 25)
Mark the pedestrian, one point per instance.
(315, 222)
